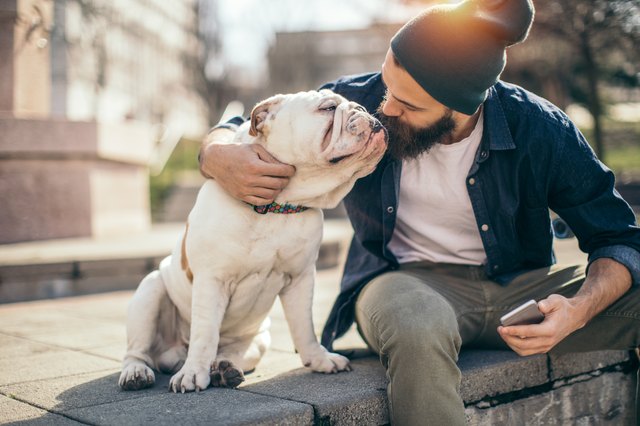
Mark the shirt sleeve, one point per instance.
(621, 254)
(582, 192)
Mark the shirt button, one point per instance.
(484, 154)
(495, 267)
(472, 181)
(485, 227)
(390, 209)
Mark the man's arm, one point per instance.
(246, 171)
(607, 280)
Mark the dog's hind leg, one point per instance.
(142, 333)
(172, 360)
(174, 339)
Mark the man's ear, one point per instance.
(261, 112)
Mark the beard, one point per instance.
(406, 141)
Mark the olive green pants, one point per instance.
(418, 317)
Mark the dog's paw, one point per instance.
(225, 375)
(189, 379)
(136, 376)
(328, 362)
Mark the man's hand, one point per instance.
(606, 282)
(561, 318)
(247, 172)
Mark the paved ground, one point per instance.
(63, 356)
(60, 360)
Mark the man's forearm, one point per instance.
(607, 280)
(220, 136)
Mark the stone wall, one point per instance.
(72, 179)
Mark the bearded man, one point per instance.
(452, 230)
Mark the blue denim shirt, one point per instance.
(531, 158)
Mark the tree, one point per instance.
(603, 37)
(596, 30)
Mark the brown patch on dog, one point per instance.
(184, 262)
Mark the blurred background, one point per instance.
(103, 104)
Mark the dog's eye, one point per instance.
(331, 107)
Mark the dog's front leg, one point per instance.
(208, 304)
(297, 301)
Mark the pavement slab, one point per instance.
(15, 412)
(211, 407)
(49, 364)
(356, 397)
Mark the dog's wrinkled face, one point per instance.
(331, 142)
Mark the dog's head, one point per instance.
(331, 142)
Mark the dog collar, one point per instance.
(274, 207)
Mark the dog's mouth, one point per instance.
(375, 130)
(327, 135)
(363, 149)
(336, 160)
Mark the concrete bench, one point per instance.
(498, 387)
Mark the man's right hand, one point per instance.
(246, 171)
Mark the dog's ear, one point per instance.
(261, 112)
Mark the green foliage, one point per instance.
(184, 158)
(623, 147)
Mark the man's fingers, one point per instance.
(256, 201)
(523, 345)
(271, 183)
(272, 166)
(266, 195)
(536, 330)
(264, 155)
(551, 303)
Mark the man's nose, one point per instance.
(391, 108)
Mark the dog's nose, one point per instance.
(377, 127)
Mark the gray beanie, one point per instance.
(456, 52)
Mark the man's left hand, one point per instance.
(605, 283)
(561, 318)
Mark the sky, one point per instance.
(248, 26)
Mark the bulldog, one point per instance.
(203, 315)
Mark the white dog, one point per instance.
(203, 314)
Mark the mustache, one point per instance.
(407, 141)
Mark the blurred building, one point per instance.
(124, 59)
(87, 90)
(305, 60)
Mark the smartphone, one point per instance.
(527, 313)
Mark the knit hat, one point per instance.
(456, 52)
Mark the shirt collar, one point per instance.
(496, 128)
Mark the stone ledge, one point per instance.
(300, 397)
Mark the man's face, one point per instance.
(414, 119)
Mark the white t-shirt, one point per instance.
(435, 219)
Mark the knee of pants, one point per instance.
(417, 321)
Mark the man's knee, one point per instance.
(407, 313)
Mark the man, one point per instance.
(452, 230)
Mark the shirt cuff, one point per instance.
(625, 255)
(232, 124)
